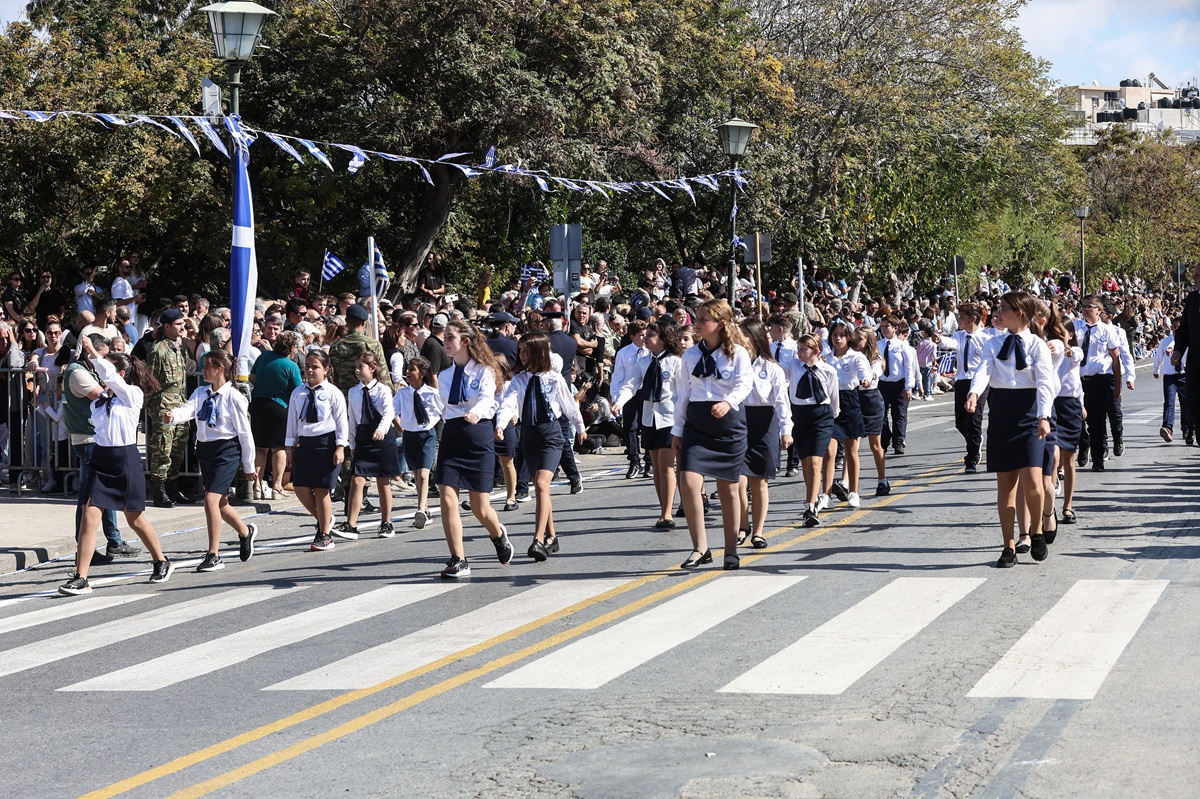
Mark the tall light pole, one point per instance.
(236, 27)
(1081, 211)
(735, 138)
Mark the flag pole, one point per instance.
(321, 283)
(374, 288)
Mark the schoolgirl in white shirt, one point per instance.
(853, 371)
(658, 388)
(418, 410)
(871, 405)
(318, 434)
(374, 443)
(710, 426)
(467, 455)
(117, 480)
(813, 392)
(223, 441)
(969, 340)
(537, 398)
(1068, 410)
(1019, 371)
(768, 428)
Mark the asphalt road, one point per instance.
(880, 654)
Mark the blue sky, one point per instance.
(1085, 40)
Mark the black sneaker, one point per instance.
(465, 504)
(523, 496)
(75, 586)
(163, 569)
(122, 549)
(810, 516)
(898, 449)
(791, 472)
(346, 531)
(1008, 559)
(455, 568)
(1118, 448)
(322, 542)
(576, 486)
(634, 471)
(971, 468)
(504, 548)
(419, 518)
(367, 507)
(386, 530)
(246, 543)
(883, 489)
(1081, 458)
(212, 562)
(838, 489)
(707, 504)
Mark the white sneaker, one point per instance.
(1058, 489)
(853, 500)
(822, 503)
(268, 492)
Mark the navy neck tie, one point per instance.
(106, 401)
(208, 411)
(887, 367)
(966, 365)
(778, 348)
(810, 387)
(534, 410)
(1013, 345)
(370, 415)
(419, 411)
(457, 389)
(310, 410)
(1087, 343)
(707, 365)
(653, 381)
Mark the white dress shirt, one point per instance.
(968, 364)
(230, 419)
(823, 372)
(1038, 374)
(479, 392)
(732, 383)
(1098, 355)
(852, 369)
(662, 413)
(1069, 384)
(901, 362)
(381, 398)
(116, 422)
(559, 399)
(629, 367)
(331, 415)
(1128, 373)
(771, 390)
(1162, 357)
(403, 405)
(783, 351)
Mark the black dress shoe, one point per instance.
(899, 449)
(1097, 466)
(552, 544)
(791, 472)
(697, 558)
(732, 563)
(664, 524)
(1082, 458)
(1118, 448)
(1008, 559)
(1037, 547)
(537, 551)
(1022, 548)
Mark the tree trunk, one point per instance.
(439, 201)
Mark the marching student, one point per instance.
(768, 427)
(223, 440)
(1174, 385)
(418, 408)
(538, 397)
(896, 384)
(813, 389)
(376, 453)
(710, 426)
(1019, 370)
(318, 434)
(1064, 426)
(1068, 412)
(506, 443)
(116, 481)
(466, 457)
(1100, 372)
(871, 405)
(687, 339)
(783, 350)
(1116, 416)
(853, 370)
(629, 367)
(968, 341)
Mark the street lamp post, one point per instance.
(735, 138)
(1081, 211)
(236, 27)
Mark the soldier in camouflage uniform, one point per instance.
(342, 355)
(166, 444)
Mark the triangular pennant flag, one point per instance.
(316, 153)
(208, 130)
(38, 116)
(466, 170)
(142, 119)
(113, 119)
(448, 156)
(359, 157)
(283, 144)
(186, 133)
(489, 160)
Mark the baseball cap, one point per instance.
(503, 318)
(440, 320)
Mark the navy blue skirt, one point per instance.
(118, 480)
(762, 447)
(507, 447)
(812, 429)
(420, 447)
(1012, 439)
(713, 447)
(1068, 423)
(312, 462)
(542, 446)
(220, 462)
(871, 407)
(375, 458)
(467, 456)
(849, 421)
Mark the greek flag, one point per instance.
(948, 363)
(382, 281)
(243, 263)
(331, 266)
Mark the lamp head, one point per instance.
(1081, 211)
(735, 136)
(236, 27)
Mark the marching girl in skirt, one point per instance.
(1069, 415)
(223, 440)
(710, 426)
(853, 372)
(768, 426)
(1019, 371)
(687, 340)
(506, 442)
(318, 433)
(467, 455)
(870, 402)
(418, 410)
(661, 384)
(813, 389)
(375, 451)
(117, 480)
(539, 396)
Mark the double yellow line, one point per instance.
(425, 694)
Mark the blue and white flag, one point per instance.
(382, 280)
(243, 263)
(331, 266)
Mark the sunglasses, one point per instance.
(29, 330)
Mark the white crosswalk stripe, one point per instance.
(838, 653)
(1069, 652)
(63, 646)
(430, 644)
(65, 609)
(228, 650)
(606, 655)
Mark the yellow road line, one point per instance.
(328, 706)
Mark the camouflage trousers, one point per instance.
(166, 446)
